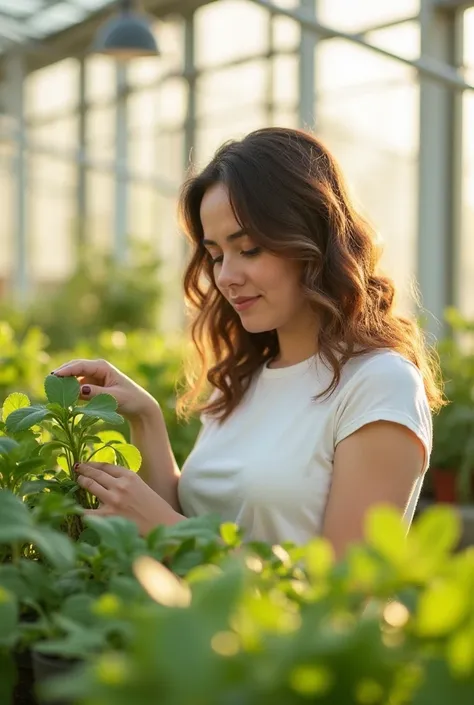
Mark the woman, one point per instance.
(321, 394)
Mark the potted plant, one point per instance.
(452, 460)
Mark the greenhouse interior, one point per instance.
(112, 590)
(94, 150)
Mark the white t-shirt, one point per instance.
(268, 466)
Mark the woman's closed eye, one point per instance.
(245, 253)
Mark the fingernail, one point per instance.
(53, 372)
(86, 389)
(76, 466)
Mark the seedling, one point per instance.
(56, 435)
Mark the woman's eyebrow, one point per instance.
(233, 236)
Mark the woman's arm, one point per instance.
(159, 468)
(379, 463)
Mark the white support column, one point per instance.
(81, 206)
(270, 72)
(121, 165)
(439, 169)
(190, 74)
(177, 307)
(307, 72)
(15, 98)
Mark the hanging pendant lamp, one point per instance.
(127, 35)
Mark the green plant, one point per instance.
(392, 624)
(66, 433)
(65, 593)
(101, 294)
(453, 426)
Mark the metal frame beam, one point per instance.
(16, 100)
(121, 162)
(426, 66)
(306, 68)
(439, 169)
(81, 203)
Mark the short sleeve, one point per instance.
(386, 388)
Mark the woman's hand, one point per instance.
(100, 377)
(123, 493)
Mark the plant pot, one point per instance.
(444, 485)
(47, 667)
(24, 690)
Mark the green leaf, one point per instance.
(385, 531)
(8, 618)
(129, 456)
(63, 463)
(62, 390)
(109, 435)
(13, 402)
(7, 677)
(437, 531)
(57, 548)
(102, 407)
(7, 445)
(34, 486)
(230, 534)
(25, 418)
(441, 608)
(104, 455)
(319, 557)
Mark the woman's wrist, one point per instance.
(147, 416)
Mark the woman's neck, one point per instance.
(296, 345)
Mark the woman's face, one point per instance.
(264, 289)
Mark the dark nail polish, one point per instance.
(86, 389)
(76, 466)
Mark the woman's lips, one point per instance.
(245, 303)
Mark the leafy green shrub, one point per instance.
(453, 426)
(52, 437)
(100, 295)
(392, 624)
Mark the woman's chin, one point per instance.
(255, 325)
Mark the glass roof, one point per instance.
(24, 21)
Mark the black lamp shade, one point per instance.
(126, 36)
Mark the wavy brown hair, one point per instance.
(288, 193)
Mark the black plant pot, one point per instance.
(47, 667)
(24, 690)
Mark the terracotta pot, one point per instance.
(444, 485)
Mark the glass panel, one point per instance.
(6, 221)
(466, 285)
(224, 22)
(367, 113)
(351, 16)
(57, 17)
(101, 132)
(100, 78)
(52, 206)
(286, 33)
(285, 77)
(100, 205)
(212, 135)
(53, 89)
(221, 93)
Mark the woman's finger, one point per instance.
(113, 470)
(94, 488)
(94, 369)
(104, 479)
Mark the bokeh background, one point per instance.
(93, 152)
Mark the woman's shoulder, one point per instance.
(382, 371)
(381, 363)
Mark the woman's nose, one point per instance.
(229, 274)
